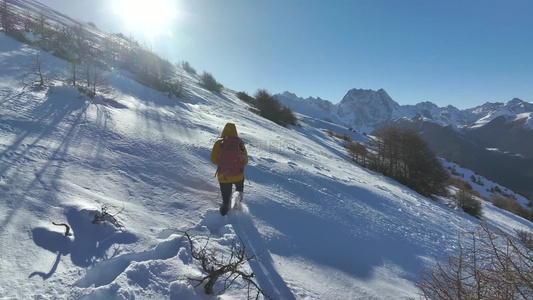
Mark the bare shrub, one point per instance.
(511, 205)
(526, 239)
(104, 215)
(468, 203)
(357, 152)
(460, 184)
(342, 136)
(487, 266)
(225, 269)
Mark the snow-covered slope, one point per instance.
(323, 227)
(511, 109)
(528, 120)
(488, 189)
(316, 107)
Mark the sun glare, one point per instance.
(152, 17)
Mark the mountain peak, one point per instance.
(361, 107)
(516, 102)
(365, 92)
(368, 96)
(289, 95)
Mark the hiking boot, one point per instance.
(224, 209)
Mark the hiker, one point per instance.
(230, 155)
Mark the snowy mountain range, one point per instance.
(364, 110)
(494, 139)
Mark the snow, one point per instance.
(323, 227)
(31, 37)
(481, 184)
(528, 120)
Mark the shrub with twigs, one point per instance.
(226, 269)
(104, 215)
(488, 265)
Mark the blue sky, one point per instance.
(462, 53)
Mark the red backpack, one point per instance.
(231, 157)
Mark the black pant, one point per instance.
(226, 190)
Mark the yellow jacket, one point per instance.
(229, 131)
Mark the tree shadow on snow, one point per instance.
(90, 242)
(61, 105)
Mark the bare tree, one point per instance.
(402, 154)
(73, 80)
(80, 44)
(357, 151)
(34, 70)
(7, 17)
(95, 77)
(28, 22)
(42, 26)
(112, 49)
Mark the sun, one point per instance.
(151, 17)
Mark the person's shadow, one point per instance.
(88, 244)
(263, 268)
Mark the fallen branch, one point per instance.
(67, 228)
